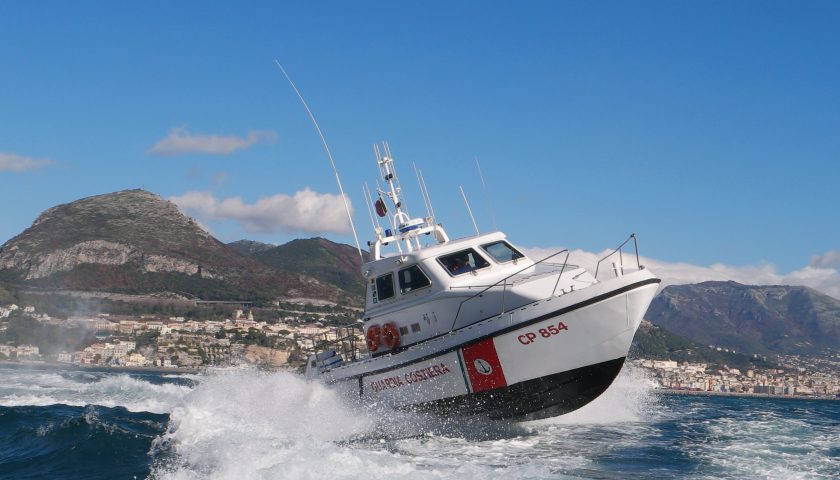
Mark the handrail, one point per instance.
(621, 258)
(349, 334)
(504, 283)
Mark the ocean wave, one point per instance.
(62, 441)
(771, 444)
(253, 424)
(137, 393)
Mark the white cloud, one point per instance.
(181, 142)
(17, 163)
(305, 211)
(820, 277)
(830, 259)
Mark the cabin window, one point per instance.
(403, 330)
(462, 262)
(412, 278)
(385, 286)
(502, 252)
(415, 327)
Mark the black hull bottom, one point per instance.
(544, 397)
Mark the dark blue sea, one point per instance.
(246, 424)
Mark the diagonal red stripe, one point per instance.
(483, 366)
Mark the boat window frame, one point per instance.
(413, 290)
(473, 271)
(378, 297)
(514, 249)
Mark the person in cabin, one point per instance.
(461, 265)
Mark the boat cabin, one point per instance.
(419, 293)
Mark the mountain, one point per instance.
(657, 343)
(750, 319)
(329, 262)
(134, 241)
(250, 247)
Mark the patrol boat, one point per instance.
(475, 326)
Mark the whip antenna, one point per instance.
(486, 197)
(469, 210)
(423, 191)
(329, 155)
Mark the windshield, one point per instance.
(502, 252)
(412, 278)
(462, 262)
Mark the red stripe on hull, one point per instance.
(483, 366)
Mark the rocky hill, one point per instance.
(750, 319)
(136, 242)
(334, 263)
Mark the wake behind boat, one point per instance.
(475, 326)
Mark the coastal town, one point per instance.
(152, 341)
(792, 381)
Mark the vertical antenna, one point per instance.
(369, 201)
(423, 192)
(329, 155)
(469, 210)
(423, 182)
(486, 197)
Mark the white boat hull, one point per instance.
(540, 360)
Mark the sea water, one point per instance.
(247, 424)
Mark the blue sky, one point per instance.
(711, 129)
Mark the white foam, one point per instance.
(248, 424)
(770, 446)
(21, 387)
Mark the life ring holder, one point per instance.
(390, 335)
(373, 337)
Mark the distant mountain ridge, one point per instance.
(774, 319)
(250, 247)
(134, 241)
(330, 262)
(657, 343)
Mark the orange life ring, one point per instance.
(374, 337)
(390, 335)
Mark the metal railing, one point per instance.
(619, 269)
(345, 344)
(504, 284)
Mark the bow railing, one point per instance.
(618, 268)
(504, 284)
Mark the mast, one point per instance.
(394, 192)
(405, 231)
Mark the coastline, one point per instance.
(670, 391)
(98, 368)
(41, 365)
